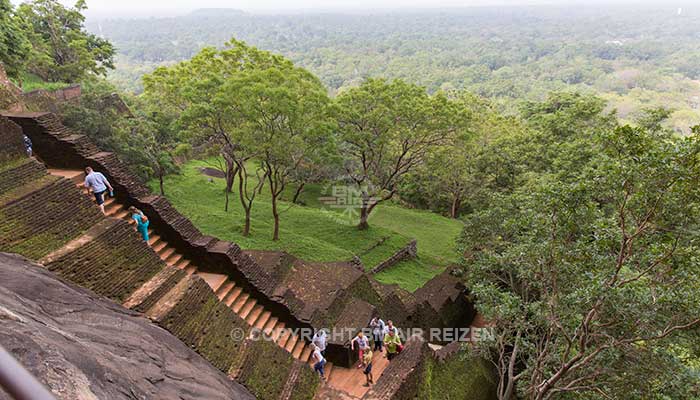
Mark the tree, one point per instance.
(455, 177)
(62, 50)
(387, 129)
(447, 175)
(14, 45)
(282, 113)
(323, 164)
(149, 144)
(258, 107)
(145, 138)
(589, 274)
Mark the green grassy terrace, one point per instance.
(316, 232)
(32, 82)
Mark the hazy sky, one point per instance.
(103, 8)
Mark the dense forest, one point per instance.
(633, 56)
(489, 136)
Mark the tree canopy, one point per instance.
(386, 130)
(586, 269)
(258, 108)
(61, 49)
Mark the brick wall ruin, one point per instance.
(407, 253)
(264, 276)
(47, 217)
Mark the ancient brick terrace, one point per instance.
(209, 293)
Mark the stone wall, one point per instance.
(106, 256)
(216, 332)
(43, 215)
(407, 253)
(17, 171)
(10, 140)
(402, 378)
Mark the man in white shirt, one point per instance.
(319, 340)
(96, 183)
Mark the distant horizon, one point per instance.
(106, 9)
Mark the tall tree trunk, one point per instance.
(260, 188)
(300, 189)
(246, 228)
(364, 215)
(231, 170)
(276, 189)
(275, 214)
(246, 205)
(456, 204)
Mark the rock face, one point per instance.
(83, 347)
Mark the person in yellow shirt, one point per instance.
(367, 361)
(392, 343)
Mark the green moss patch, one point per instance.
(461, 376)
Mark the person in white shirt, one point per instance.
(390, 327)
(362, 343)
(319, 340)
(377, 326)
(320, 362)
(96, 183)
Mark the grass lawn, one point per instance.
(315, 232)
(32, 82)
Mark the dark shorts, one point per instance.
(368, 369)
(390, 356)
(100, 197)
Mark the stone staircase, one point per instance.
(341, 383)
(228, 292)
(201, 309)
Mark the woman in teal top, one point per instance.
(142, 227)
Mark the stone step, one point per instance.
(113, 209)
(109, 201)
(166, 252)
(306, 354)
(160, 246)
(247, 308)
(153, 240)
(213, 280)
(291, 342)
(298, 349)
(270, 326)
(122, 214)
(174, 259)
(263, 320)
(279, 331)
(191, 269)
(254, 314)
(224, 290)
(283, 337)
(75, 176)
(233, 296)
(240, 302)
